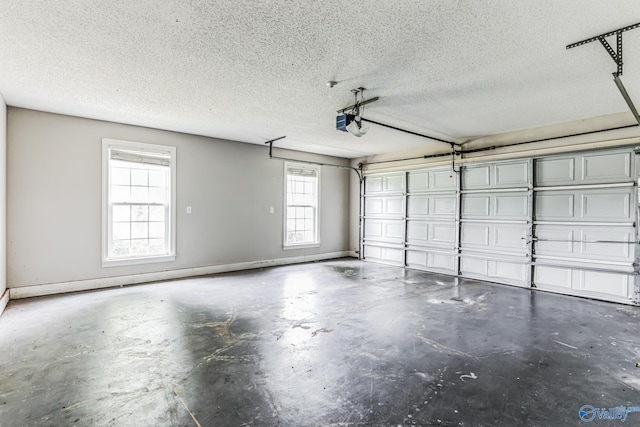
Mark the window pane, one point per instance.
(308, 224)
(156, 213)
(157, 178)
(120, 176)
(120, 193)
(157, 247)
(157, 195)
(121, 248)
(156, 230)
(139, 230)
(140, 177)
(139, 247)
(140, 194)
(121, 230)
(140, 213)
(121, 213)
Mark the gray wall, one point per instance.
(54, 200)
(3, 196)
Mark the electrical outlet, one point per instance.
(188, 209)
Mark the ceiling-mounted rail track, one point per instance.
(616, 55)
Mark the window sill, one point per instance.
(301, 246)
(136, 261)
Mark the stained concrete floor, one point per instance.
(333, 343)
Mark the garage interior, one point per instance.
(277, 213)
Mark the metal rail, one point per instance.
(610, 33)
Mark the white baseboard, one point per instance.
(4, 300)
(110, 282)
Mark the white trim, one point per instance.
(4, 300)
(136, 261)
(109, 282)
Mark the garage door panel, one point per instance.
(475, 206)
(598, 243)
(608, 244)
(431, 180)
(431, 233)
(605, 283)
(431, 260)
(510, 271)
(511, 206)
(600, 284)
(504, 206)
(386, 183)
(418, 232)
(615, 167)
(554, 240)
(431, 205)
(604, 205)
(503, 271)
(443, 180)
(443, 233)
(444, 205)
(508, 238)
(418, 181)
(474, 235)
(393, 256)
(512, 174)
(384, 206)
(586, 168)
(384, 230)
(550, 206)
(555, 171)
(418, 206)
(474, 266)
(588, 205)
(476, 177)
(545, 277)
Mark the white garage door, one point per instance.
(584, 233)
(560, 223)
(384, 218)
(495, 222)
(431, 220)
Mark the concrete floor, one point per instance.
(333, 343)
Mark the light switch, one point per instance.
(272, 209)
(188, 209)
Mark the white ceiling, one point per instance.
(255, 70)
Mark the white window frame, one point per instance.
(316, 242)
(107, 144)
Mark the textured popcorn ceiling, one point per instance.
(255, 70)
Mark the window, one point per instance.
(302, 202)
(138, 203)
